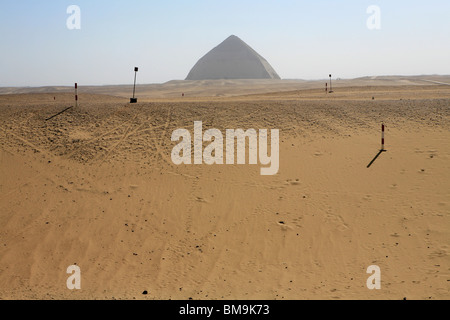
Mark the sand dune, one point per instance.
(96, 187)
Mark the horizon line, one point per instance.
(183, 80)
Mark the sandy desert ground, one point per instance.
(96, 187)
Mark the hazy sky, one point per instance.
(301, 39)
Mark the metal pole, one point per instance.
(134, 100)
(134, 88)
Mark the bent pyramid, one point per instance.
(232, 59)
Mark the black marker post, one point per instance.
(382, 146)
(331, 87)
(76, 95)
(134, 100)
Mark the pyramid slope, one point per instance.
(232, 59)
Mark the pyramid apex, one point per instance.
(232, 37)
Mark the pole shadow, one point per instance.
(376, 157)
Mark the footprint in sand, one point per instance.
(200, 199)
(292, 182)
(284, 226)
(297, 222)
(318, 154)
(337, 220)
